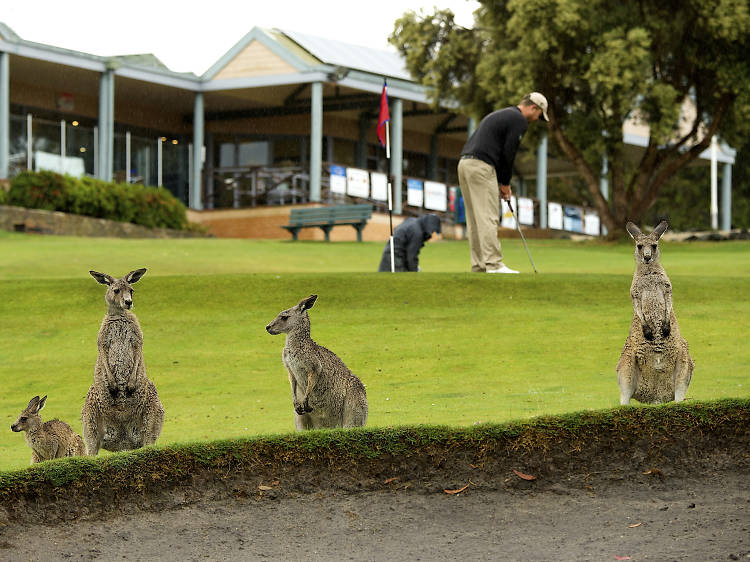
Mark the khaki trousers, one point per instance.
(481, 193)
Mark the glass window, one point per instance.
(415, 164)
(256, 153)
(45, 136)
(18, 142)
(287, 152)
(226, 155)
(79, 143)
(344, 152)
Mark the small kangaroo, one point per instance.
(655, 365)
(48, 440)
(325, 393)
(122, 410)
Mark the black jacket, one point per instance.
(408, 239)
(496, 141)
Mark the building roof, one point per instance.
(338, 53)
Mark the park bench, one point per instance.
(326, 218)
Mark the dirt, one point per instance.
(641, 484)
(644, 517)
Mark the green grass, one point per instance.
(440, 347)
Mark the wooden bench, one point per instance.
(326, 218)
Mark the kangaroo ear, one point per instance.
(103, 278)
(307, 304)
(32, 402)
(41, 404)
(633, 230)
(660, 229)
(134, 276)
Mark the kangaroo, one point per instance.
(122, 410)
(655, 365)
(48, 440)
(325, 393)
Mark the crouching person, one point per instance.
(408, 239)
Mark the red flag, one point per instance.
(384, 115)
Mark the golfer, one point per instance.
(486, 164)
(408, 239)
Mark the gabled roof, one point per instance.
(338, 53)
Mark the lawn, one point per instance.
(440, 347)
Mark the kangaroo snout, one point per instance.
(128, 304)
(14, 428)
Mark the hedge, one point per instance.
(147, 206)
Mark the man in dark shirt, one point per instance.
(484, 172)
(408, 239)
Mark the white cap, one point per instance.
(538, 99)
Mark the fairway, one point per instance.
(443, 347)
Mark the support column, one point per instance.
(726, 197)
(106, 124)
(194, 197)
(101, 152)
(4, 114)
(714, 184)
(111, 124)
(541, 180)
(316, 140)
(397, 152)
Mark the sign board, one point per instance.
(554, 216)
(573, 218)
(526, 211)
(338, 179)
(507, 217)
(70, 165)
(414, 192)
(379, 186)
(591, 223)
(357, 182)
(435, 196)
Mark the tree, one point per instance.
(599, 63)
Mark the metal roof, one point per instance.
(338, 53)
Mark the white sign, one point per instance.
(555, 216)
(71, 165)
(357, 182)
(338, 179)
(379, 184)
(508, 221)
(573, 218)
(591, 223)
(414, 192)
(526, 211)
(435, 196)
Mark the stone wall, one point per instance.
(20, 219)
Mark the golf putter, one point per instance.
(518, 226)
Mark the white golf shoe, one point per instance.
(502, 269)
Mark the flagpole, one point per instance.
(390, 194)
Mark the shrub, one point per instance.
(41, 190)
(147, 206)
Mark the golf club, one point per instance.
(518, 226)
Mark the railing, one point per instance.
(243, 187)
